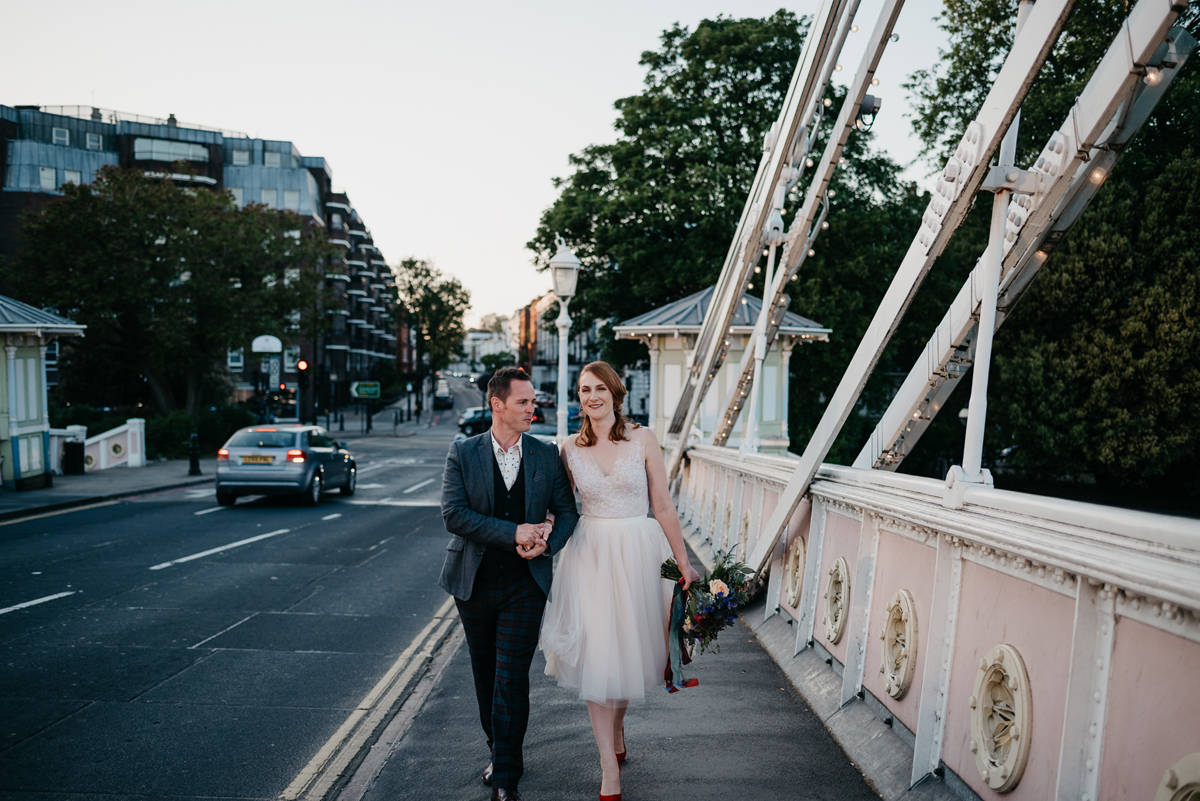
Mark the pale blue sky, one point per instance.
(444, 122)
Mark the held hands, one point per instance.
(532, 539)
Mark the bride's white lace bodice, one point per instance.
(623, 493)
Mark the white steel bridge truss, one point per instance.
(1033, 210)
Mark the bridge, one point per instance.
(956, 638)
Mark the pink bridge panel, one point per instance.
(841, 539)
(1153, 712)
(994, 609)
(902, 564)
(798, 526)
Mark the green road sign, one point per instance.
(364, 389)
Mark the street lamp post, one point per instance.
(564, 268)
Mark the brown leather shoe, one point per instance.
(487, 775)
(501, 794)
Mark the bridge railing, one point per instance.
(1027, 644)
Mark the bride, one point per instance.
(605, 628)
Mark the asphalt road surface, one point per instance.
(166, 646)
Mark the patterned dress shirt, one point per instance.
(509, 461)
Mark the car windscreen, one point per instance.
(263, 439)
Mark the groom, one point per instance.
(496, 492)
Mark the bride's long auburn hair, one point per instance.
(611, 379)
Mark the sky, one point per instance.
(445, 123)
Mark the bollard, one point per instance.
(342, 422)
(395, 420)
(194, 456)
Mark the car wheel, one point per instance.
(351, 482)
(226, 498)
(312, 495)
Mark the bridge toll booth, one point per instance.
(670, 331)
(27, 334)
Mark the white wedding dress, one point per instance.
(605, 628)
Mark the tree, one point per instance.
(652, 214)
(493, 323)
(166, 279)
(435, 305)
(1095, 372)
(494, 361)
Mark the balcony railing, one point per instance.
(929, 602)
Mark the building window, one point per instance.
(269, 198)
(271, 159)
(290, 357)
(72, 177)
(52, 354)
(47, 177)
(237, 359)
(62, 136)
(337, 220)
(236, 191)
(241, 158)
(291, 199)
(168, 150)
(95, 142)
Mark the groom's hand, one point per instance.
(529, 535)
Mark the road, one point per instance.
(166, 646)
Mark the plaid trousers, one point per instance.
(502, 621)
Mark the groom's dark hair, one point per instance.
(500, 384)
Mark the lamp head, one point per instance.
(564, 269)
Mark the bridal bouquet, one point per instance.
(702, 612)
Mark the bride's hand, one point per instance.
(689, 575)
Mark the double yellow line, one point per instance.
(322, 772)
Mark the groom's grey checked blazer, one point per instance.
(468, 506)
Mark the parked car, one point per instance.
(544, 398)
(283, 460)
(573, 418)
(475, 420)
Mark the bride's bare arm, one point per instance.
(664, 507)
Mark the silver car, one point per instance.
(283, 460)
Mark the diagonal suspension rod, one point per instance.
(961, 179)
(806, 223)
(1067, 172)
(784, 151)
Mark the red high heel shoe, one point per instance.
(604, 797)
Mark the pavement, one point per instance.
(745, 732)
(104, 485)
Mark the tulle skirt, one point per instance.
(604, 632)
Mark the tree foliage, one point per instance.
(435, 305)
(1095, 371)
(166, 280)
(651, 215)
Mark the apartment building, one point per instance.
(48, 146)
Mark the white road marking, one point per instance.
(207, 511)
(333, 516)
(222, 631)
(371, 486)
(59, 512)
(335, 756)
(211, 551)
(416, 487)
(28, 604)
(395, 503)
